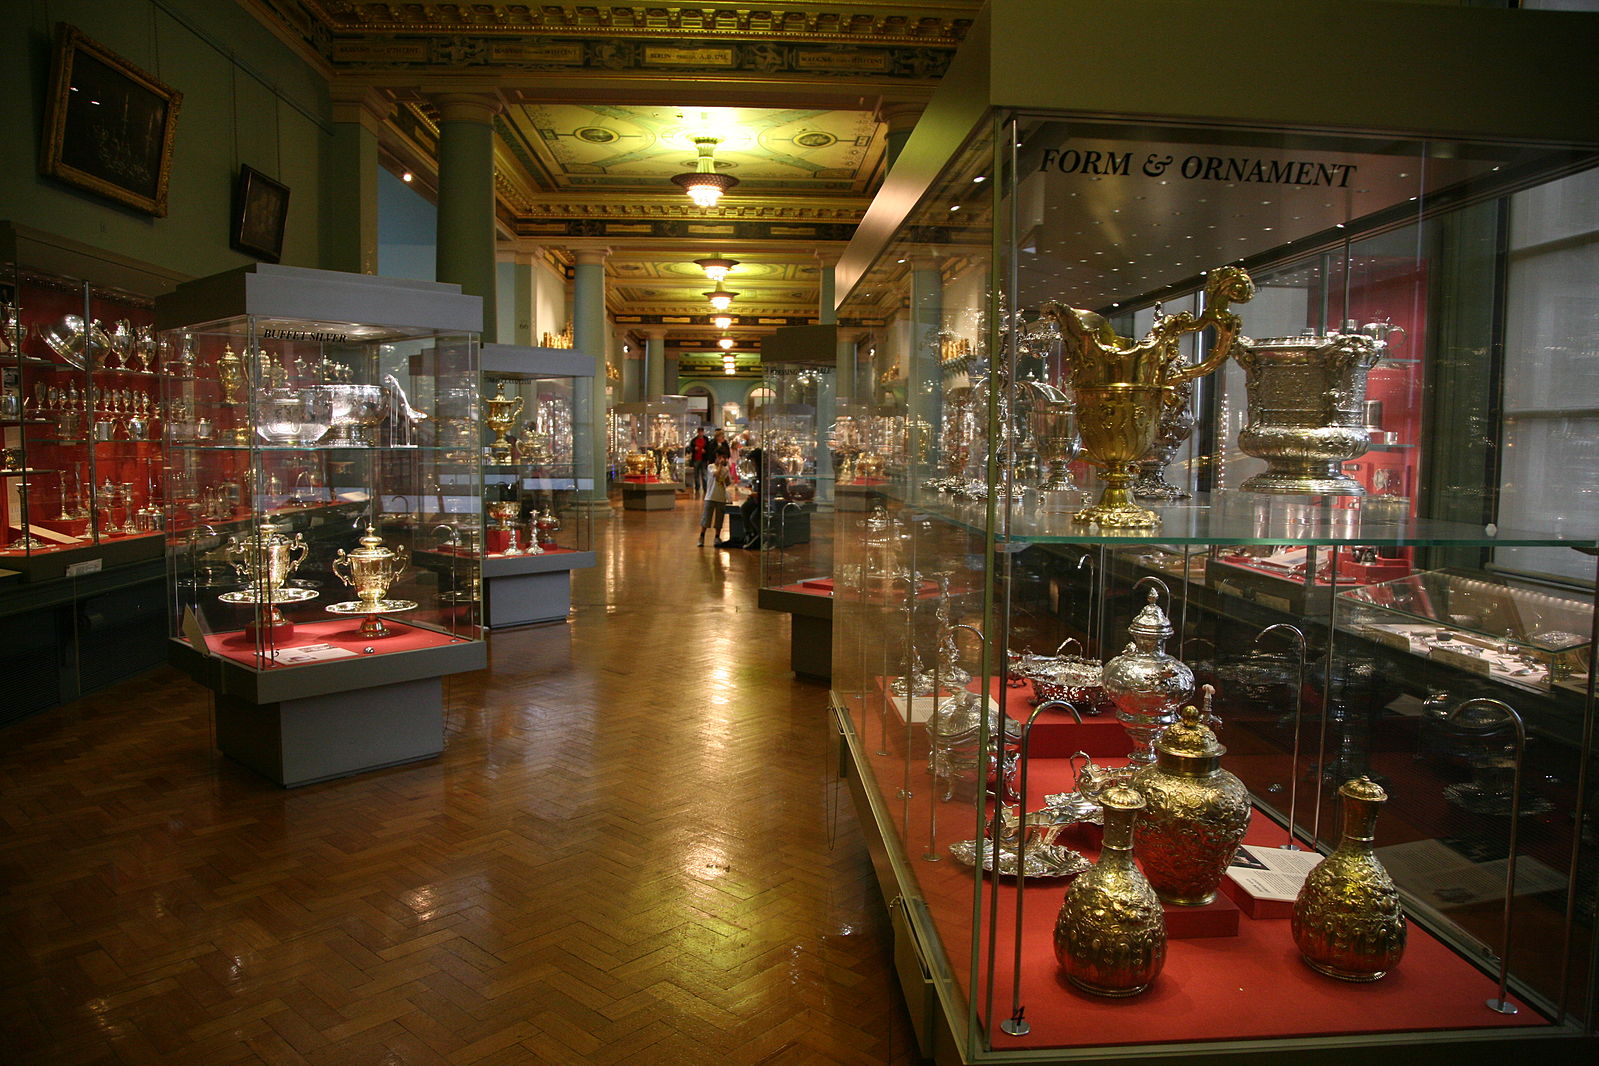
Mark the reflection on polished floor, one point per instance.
(631, 851)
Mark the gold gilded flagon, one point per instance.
(1122, 385)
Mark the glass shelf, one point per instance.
(1246, 519)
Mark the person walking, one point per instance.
(715, 500)
(701, 453)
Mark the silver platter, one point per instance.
(1043, 860)
(283, 594)
(379, 607)
(1474, 799)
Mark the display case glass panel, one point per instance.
(649, 438)
(1244, 377)
(315, 467)
(80, 412)
(531, 483)
(796, 477)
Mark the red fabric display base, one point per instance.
(1213, 988)
(342, 633)
(1219, 917)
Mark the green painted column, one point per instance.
(589, 336)
(466, 197)
(350, 223)
(901, 119)
(522, 264)
(924, 372)
(655, 363)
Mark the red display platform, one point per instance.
(1249, 986)
(1219, 917)
(342, 633)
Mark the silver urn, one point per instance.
(1307, 397)
(1146, 684)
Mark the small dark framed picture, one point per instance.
(260, 210)
(108, 126)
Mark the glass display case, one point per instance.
(533, 533)
(315, 451)
(796, 498)
(650, 437)
(80, 422)
(1205, 315)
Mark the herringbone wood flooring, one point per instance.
(631, 851)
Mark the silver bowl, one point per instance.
(356, 411)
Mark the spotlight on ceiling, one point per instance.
(721, 298)
(703, 184)
(716, 268)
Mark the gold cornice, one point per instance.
(881, 22)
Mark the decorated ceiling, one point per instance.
(601, 103)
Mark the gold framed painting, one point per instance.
(108, 126)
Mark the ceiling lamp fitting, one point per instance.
(722, 321)
(716, 268)
(720, 297)
(703, 184)
(724, 343)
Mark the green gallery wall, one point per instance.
(247, 99)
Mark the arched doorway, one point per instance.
(701, 402)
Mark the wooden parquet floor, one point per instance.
(631, 851)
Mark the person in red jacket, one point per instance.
(701, 454)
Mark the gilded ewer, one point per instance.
(1122, 386)
(1110, 935)
(1347, 920)
(1307, 407)
(370, 570)
(1197, 812)
(501, 416)
(1146, 684)
(265, 560)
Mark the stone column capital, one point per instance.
(590, 256)
(899, 115)
(927, 261)
(478, 107)
(653, 334)
(828, 257)
(364, 106)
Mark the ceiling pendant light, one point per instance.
(721, 298)
(703, 184)
(724, 343)
(729, 363)
(722, 321)
(716, 267)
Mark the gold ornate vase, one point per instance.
(636, 465)
(265, 560)
(1110, 935)
(1347, 920)
(1146, 684)
(1197, 812)
(502, 413)
(1122, 385)
(1307, 408)
(371, 569)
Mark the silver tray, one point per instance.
(1043, 860)
(252, 595)
(379, 607)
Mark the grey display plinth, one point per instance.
(525, 589)
(298, 742)
(810, 632)
(858, 497)
(649, 495)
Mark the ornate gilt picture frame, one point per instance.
(108, 125)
